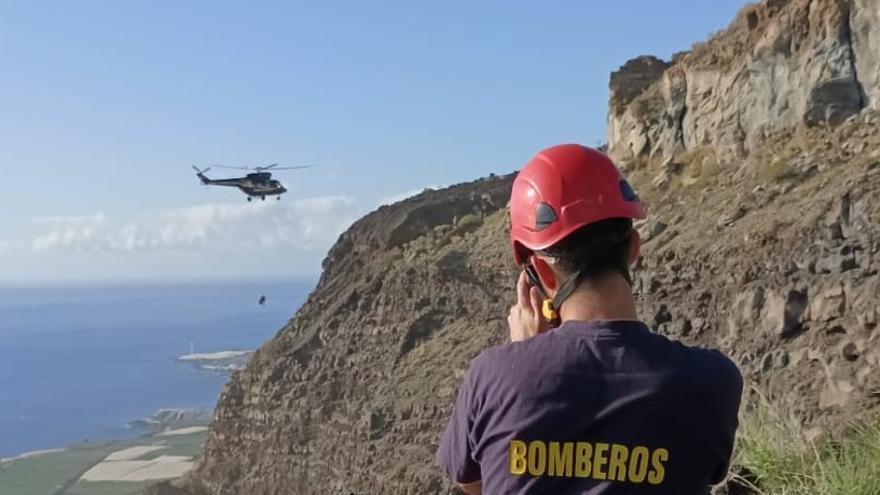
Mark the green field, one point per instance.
(57, 473)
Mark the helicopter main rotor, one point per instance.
(267, 168)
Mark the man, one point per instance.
(585, 399)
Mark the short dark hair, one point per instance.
(595, 250)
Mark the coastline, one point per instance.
(28, 455)
(223, 361)
(61, 417)
(170, 441)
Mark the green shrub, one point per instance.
(777, 457)
(468, 223)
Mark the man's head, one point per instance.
(597, 250)
(571, 215)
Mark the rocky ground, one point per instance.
(769, 250)
(776, 263)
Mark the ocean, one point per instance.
(79, 363)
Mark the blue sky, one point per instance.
(104, 106)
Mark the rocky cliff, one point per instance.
(774, 260)
(349, 396)
(780, 64)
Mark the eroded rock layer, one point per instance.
(780, 64)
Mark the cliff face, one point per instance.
(781, 64)
(349, 396)
(774, 260)
(778, 270)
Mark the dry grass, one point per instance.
(777, 457)
(701, 164)
(778, 170)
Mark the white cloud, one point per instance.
(303, 225)
(204, 241)
(69, 231)
(73, 219)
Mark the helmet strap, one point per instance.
(567, 288)
(571, 283)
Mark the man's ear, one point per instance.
(545, 273)
(635, 246)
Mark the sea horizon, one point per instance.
(79, 362)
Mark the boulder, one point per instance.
(868, 319)
(699, 325)
(783, 312)
(731, 217)
(662, 316)
(850, 351)
(864, 33)
(830, 304)
(651, 229)
(745, 311)
(833, 101)
(835, 393)
(837, 263)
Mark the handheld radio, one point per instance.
(547, 310)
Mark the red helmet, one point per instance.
(562, 189)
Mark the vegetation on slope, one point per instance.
(776, 455)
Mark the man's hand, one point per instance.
(525, 318)
(475, 488)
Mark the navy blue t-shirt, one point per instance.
(602, 407)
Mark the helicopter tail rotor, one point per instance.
(201, 174)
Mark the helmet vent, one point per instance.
(627, 191)
(544, 216)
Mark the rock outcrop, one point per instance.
(781, 64)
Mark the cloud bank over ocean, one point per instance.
(301, 225)
(209, 240)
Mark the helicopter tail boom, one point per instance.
(200, 173)
(213, 182)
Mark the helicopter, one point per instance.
(257, 184)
